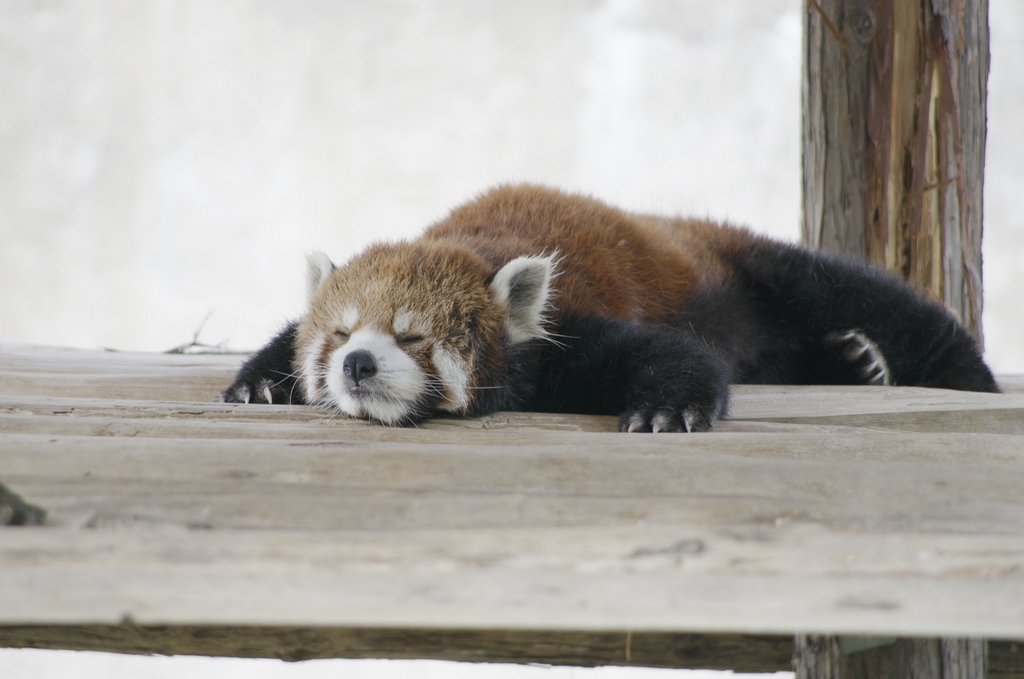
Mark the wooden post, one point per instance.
(894, 96)
(827, 657)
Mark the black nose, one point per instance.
(359, 365)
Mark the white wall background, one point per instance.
(1003, 243)
(165, 159)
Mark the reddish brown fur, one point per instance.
(610, 262)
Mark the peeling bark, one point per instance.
(894, 97)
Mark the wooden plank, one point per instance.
(49, 371)
(736, 652)
(908, 409)
(834, 510)
(284, 422)
(563, 579)
(53, 373)
(1011, 384)
(899, 408)
(716, 532)
(967, 482)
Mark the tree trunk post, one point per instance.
(828, 657)
(894, 96)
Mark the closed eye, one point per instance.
(341, 334)
(410, 339)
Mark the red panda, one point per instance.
(528, 298)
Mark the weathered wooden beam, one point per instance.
(752, 407)
(162, 381)
(720, 532)
(281, 531)
(889, 481)
(738, 652)
(50, 371)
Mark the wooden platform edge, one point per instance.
(736, 652)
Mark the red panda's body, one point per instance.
(607, 259)
(529, 298)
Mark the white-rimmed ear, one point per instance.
(524, 285)
(318, 267)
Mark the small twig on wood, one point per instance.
(203, 348)
(828, 24)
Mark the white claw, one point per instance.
(856, 352)
(661, 422)
(878, 371)
(266, 393)
(244, 393)
(636, 423)
(688, 419)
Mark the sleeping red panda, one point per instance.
(528, 298)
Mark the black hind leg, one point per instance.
(830, 320)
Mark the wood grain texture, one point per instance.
(894, 102)
(671, 579)
(281, 531)
(51, 371)
(830, 657)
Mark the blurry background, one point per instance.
(165, 160)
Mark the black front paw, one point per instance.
(675, 388)
(268, 377)
(260, 390)
(655, 379)
(689, 419)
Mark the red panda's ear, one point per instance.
(318, 267)
(523, 285)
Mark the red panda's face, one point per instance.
(400, 331)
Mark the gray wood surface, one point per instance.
(838, 510)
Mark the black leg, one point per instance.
(269, 376)
(654, 379)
